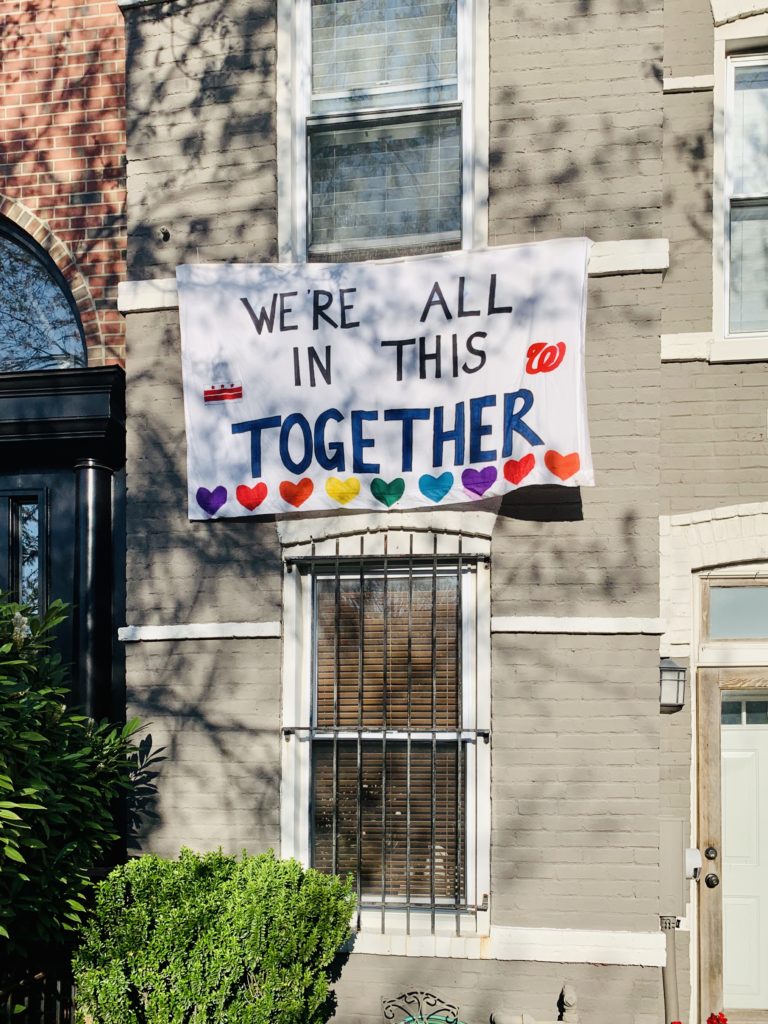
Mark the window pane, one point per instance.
(731, 712)
(757, 712)
(394, 182)
(423, 846)
(739, 613)
(403, 50)
(393, 669)
(749, 131)
(38, 330)
(749, 269)
(29, 553)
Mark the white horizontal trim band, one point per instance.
(578, 946)
(574, 624)
(630, 256)
(549, 945)
(199, 631)
(689, 83)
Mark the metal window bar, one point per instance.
(343, 735)
(409, 719)
(384, 745)
(433, 805)
(360, 699)
(460, 698)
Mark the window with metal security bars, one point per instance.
(393, 737)
(383, 108)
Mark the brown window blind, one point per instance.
(388, 763)
(386, 652)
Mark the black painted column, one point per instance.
(93, 587)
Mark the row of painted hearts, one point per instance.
(434, 488)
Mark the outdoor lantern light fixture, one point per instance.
(671, 686)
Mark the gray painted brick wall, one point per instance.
(713, 440)
(605, 563)
(626, 995)
(202, 152)
(688, 37)
(576, 148)
(687, 222)
(575, 781)
(214, 709)
(576, 112)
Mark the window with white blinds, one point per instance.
(747, 195)
(387, 125)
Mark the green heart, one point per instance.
(387, 493)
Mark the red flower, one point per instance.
(717, 1018)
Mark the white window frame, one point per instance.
(742, 41)
(293, 99)
(296, 748)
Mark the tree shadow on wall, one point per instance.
(80, 97)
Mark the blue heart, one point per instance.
(435, 487)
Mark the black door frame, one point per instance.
(73, 421)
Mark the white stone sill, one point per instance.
(702, 346)
(548, 945)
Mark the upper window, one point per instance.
(746, 195)
(384, 155)
(39, 325)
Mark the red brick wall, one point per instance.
(62, 148)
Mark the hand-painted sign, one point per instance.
(414, 383)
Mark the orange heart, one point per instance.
(517, 469)
(251, 497)
(563, 466)
(296, 494)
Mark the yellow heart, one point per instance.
(343, 491)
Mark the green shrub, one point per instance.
(212, 940)
(59, 773)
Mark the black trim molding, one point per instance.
(60, 416)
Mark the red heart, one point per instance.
(562, 465)
(517, 469)
(296, 494)
(251, 497)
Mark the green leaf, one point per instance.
(13, 854)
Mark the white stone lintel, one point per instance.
(689, 83)
(724, 11)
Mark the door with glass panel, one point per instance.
(37, 534)
(733, 804)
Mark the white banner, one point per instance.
(417, 383)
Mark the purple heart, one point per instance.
(211, 501)
(479, 480)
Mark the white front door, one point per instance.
(744, 781)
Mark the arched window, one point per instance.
(40, 327)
